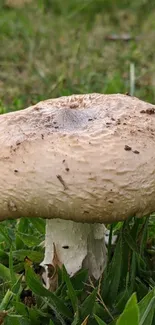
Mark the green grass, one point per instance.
(61, 48)
(55, 48)
(127, 283)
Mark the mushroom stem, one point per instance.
(78, 245)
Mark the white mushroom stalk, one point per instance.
(81, 161)
(78, 245)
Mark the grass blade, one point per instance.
(88, 305)
(71, 291)
(12, 273)
(149, 313)
(146, 308)
(35, 285)
(130, 314)
(99, 320)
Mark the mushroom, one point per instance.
(80, 162)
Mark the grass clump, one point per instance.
(126, 291)
(55, 48)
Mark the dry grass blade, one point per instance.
(100, 297)
(16, 3)
(85, 321)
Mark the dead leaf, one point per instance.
(56, 262)
(52, 270)
(2, 316)
(28, 261)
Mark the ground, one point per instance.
(70, 47)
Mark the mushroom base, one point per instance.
(76, 245)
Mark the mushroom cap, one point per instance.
(88, 158)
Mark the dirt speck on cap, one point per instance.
(59, 177)
(12, 206)
(74, 105)
(148, 111)
(127, 148)
(36, 108)
(136, 152)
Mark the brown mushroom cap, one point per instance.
(88, 158)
